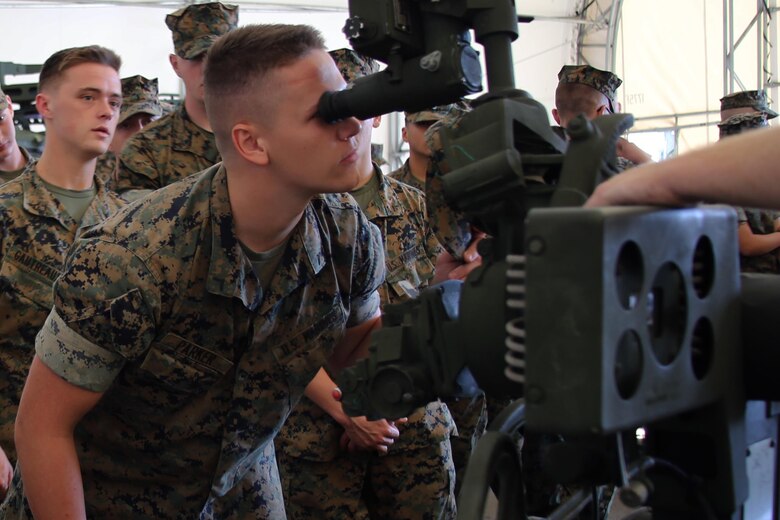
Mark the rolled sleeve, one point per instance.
(74, 358)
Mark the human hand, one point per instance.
(632, 152)
(449, 268)
(360, 434)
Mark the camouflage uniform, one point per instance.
(10, 175)
(35, 234)
(415, 479)
(404, 174)
(139, 96)
(173, 147)
(164, 152)
(160, 309)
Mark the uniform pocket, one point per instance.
(17, 285)
(407, 273)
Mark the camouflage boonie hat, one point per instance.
(139, 96)
(3, 100)
(755, 99)
(742, 122)
(604, 81)
(353, 65)
(196, 27)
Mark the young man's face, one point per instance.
(414, 134)
(191, 73)
(305, 151)
(81, 109)
(7, 132)
(127, 128)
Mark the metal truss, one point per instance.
(596, 41)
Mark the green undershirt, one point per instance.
(76, 202)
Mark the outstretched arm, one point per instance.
(49, 410)
(742, 170)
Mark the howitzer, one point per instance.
(597, 321)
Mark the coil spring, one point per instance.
(515, 328)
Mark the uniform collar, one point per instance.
(186, 136)
(385, 203)
(230, 271)
(38, 200)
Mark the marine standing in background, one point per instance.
(469, 411)
(140, 106)
(586, 90)
(759, 229)
(182, 142)
(44, 210)
(327, 470)
(13, 158)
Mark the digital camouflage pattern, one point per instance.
(196, 27)
(451, 227)
(416, 478)
(755, 99)
(602, 80)
(6, 176)
(377, 154)
(3, 100)
(35, 234)
(160, 309)
(741, 122)
(165, 151)
(139, 96)
(106, 169)
(353, 65)
(761, 222)
(404, 174)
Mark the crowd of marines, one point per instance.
(180, 286)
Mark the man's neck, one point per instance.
(15, 161)
(196, 110)
(264, 212)
(65, 169)
(418, 164)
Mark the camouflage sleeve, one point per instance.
(369, 272)
(741, 215)
(74, 358)
(137, 168)
(104, 314)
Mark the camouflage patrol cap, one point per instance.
(196, 27)
(432, 114)
(3, 100)
(353, 65)
(755, 99)
(743, 122)
(604, 81)
(139, 96)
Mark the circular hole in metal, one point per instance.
(667, 308)
(702, 348)
(703, 269)
(629, 274)
(628, 364)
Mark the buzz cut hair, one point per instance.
(239, 62)
(54, 67)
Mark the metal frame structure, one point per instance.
(766, 44)
(596, 41)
